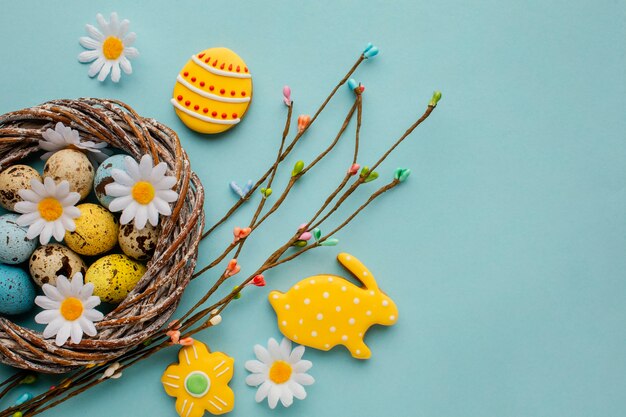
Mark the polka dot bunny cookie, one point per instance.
(323, 311)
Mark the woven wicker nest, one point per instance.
(153, 301)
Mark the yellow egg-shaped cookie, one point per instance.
(212, 91)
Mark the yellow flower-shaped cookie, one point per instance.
(200, 381)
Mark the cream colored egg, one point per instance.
(13, 179)
(138, 244)
(114, 276)
(96, 231)
(50, 261)
(72, 166)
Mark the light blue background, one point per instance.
(505, 249)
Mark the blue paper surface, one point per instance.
(505, 248)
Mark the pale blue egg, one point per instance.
(17, 292)
(15, 247)
(104, 177)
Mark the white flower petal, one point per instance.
(255, 379)
(68, 223)
(64, 286)
(123, 178)
(104, 72)
(103, 24)
(116, 73)
(124, 25)
(88, 56)
(52, 293)
(157, 173)
(94, 33)
(54, 327)
(30, 197)
(296, 354)
(37, 186)
(153, 214)
(129, 213)
(262, 392)
(71, 212)
(46, 316)
(96, 66)
(90, 43)
(303, 379)
(286, 397)
(130, 39)
(298, 390)
(91, 301)
(131, 52)
(87, 326)
(274, 395)
(76, 332)
(274, 349)
(114, 24)
(162, 207)
(167, 195)
(58, 230)
(77, 284)
(145, 167)
(285, 348)
(63, 334)
(50, 186)
(302, 366)
(46, 233)
(93, 315)
(117, 190)
(47, 302)
(28, 218)
(166, 183)
(126, 65)
(132, 169)
(262, 354)
(256, 366)
(141, 217)
(35, 229)
(62, 190)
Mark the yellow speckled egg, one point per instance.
(212, 91)
(96, 231)
(13, 179)
(52, 260)
(72, 166)
(114, 276)
(138, 244)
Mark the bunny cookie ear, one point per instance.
(359, 270)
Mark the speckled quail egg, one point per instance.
(17, 292)
(13, 179)
(74, 167)
(50, 261)
(114, 276)
(15, 247)
(104, 177)
(138, 244)
(96, 231)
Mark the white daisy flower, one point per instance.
(142, 192)
(68, 310)
(48, 208)
(279, 372)
(64, 137)
(109, 48)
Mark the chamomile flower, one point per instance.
(109, 48)
(63, 137)
(279, 372)
(48, 209)
(68, 310)
(142, 192)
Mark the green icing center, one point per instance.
(197, 384)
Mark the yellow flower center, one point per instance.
(71, 308)
(50, 209)
(143, 192)
(112, 47)
(280, 372)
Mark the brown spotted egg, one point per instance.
(74, 167)
(138, 244)
(50, 261)
(13, 179)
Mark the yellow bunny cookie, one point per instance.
(323, 311)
